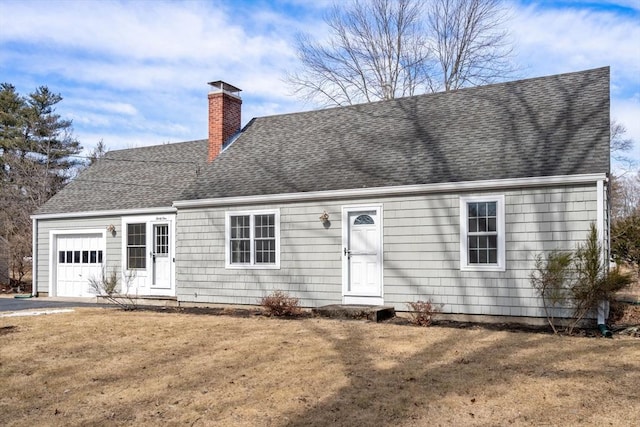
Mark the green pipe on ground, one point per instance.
(605, 331)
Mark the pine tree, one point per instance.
(37, 150)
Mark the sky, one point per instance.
(135, 73)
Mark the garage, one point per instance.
(79, 257)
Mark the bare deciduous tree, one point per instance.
(619, 144)
(470, 45)
(625, 195)
(378, 50)
(98, 152)
(384, 49)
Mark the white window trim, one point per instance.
(227, 237)
(140, 274)
(500, 225)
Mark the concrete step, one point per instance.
(375, 313)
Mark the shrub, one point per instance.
(593, 283)
(279, 303)
(551, 279)
(580, 280)
(107, 286)
(422, 312)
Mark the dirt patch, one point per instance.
(624, 314)
(7, 329)
(109, 367)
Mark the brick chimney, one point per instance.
(224, 115)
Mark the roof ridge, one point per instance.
(439, 93)
(157, 145)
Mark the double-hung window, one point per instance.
(137, 246)
(252, 239)
(482, 233)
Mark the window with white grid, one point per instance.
(482, 233)
(252, 239)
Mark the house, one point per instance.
(447, 196)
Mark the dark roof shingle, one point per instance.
(131, 179)
(556, 125)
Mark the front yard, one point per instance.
(104, 366)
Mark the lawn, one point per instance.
(109, 367)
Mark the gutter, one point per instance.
(603, 313)
(486, 185)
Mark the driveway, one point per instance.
(9, 303)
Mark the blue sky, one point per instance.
(134, 73)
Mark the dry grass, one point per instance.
(102, 366)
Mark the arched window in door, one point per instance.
(363, 220)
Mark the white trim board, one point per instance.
(34, 258)
(117, 212)
(493, 184)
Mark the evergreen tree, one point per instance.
(37, 150)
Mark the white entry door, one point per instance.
(161, 257)
(362, 255)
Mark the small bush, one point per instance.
(551, 280)
(422, 312)
(280, 304)
(107, 286)
(580, 280)
(594, 282)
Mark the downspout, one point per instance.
(602, 219)
(34, 258)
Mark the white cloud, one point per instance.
(127, 69)
(574, 39)
(631, 4)
(141, 44)
(627, 112)
(121, 108)
(134, 73)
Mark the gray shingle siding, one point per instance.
(557, 125)
(421, 235)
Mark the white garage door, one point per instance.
(79, 258)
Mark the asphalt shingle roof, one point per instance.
(556, 125)
(133, 178)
